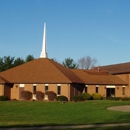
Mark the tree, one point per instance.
(6, 62)
(1, 64)
(87, 62)
(54, 59)
(29, 58)
(69, 63)
(18, 61)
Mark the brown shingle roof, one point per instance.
(2, 80)
(117, 68)
(98, 78)
(42, 70)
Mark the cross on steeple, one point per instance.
(44, 53)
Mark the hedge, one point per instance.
(4, 98)
(97, 96)
(61, 98)
(77, 98)
(86, 96)
(26, 95)
(39, 95)
(51, 95)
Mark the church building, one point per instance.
(44, 74)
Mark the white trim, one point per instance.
(22, 85)
(34, 84)
(86, 85)
(97, 85)
(34, 96)
(46, 97)
(46, 84)
(123, 86)
(58, 84)
(110, 86)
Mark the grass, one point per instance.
(32, 113)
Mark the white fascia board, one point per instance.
(110, 86)
(22, 85)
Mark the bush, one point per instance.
(51, 95)
(39, 95)
(97, 96)
(4, 98)
(26, 95)
(125, 99)
(86, 96)
(77, 98)
(114, 98)
(61, 98)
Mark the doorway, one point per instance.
(110, 92)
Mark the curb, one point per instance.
(66, 127)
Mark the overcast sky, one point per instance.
(75, 28)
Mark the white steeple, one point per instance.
(44, 53)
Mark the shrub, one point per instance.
(96, 96)
(114, 98)
(61, 98)
(26, 95)
(39, 95)
(51, 95)
(125, 99)
(77, 98)
(86, 96)
(4, 98)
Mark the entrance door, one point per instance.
(110, 92)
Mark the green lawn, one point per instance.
(34, 113)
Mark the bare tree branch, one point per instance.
(87, 62)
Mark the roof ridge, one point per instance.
(66, 75)
(115, 64)
(52, 61)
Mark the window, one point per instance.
(46, 88)
(34, 89)
(96, 88)
(123, 90)
(86, 89)
(58, 90)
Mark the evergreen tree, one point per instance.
(69, 63)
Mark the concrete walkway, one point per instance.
(65, 127)
(125, 108)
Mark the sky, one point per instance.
(75, 28)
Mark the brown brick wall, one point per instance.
(68, 90)
(102, 90)
(91, 89)
(51, 87)
(125, 77)
(15, 92)
(119, 91)
(1, 89)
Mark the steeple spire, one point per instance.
(44, 53)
